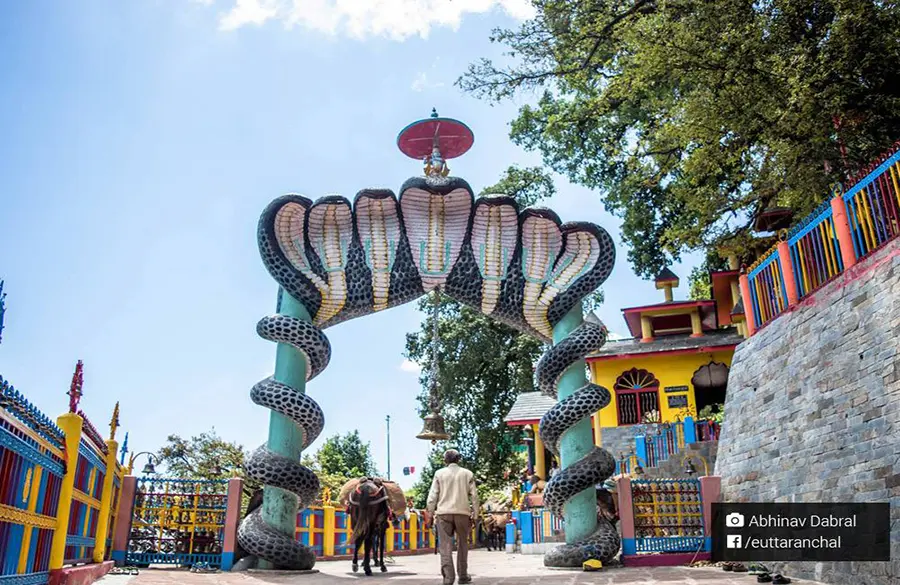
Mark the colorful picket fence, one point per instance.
(327, 531)
(651, 449)
(534, 530)
(59, 486)
(842, 231)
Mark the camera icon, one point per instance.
(734, 520)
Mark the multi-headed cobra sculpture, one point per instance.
(523, 267)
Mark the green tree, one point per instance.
(692, 116)
(419, 490)
(340, 459)
(699, 281)
(205, 456)
(484, 364)
(346, 455)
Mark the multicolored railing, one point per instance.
(669, 439)
(85, 506)
(327, 531)
(768, 296)
(842, 231)
(54, 491)
(32, 465)
(815, 250)
(873, 206)
(534, 527)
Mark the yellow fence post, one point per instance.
(106, 497)
(328, 532)
(34, 493)
(70, 423)
(389, 538)
(413, 531)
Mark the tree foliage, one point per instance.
(699, 280)
(483, 365)
(341, 458)
(206, 456)
(692, 116)
(419, 491)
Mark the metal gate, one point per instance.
(668, 515)
(177, 522)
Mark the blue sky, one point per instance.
(140, 142)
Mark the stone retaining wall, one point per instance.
(813, 408)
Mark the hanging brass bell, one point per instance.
(434, 429)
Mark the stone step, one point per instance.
(673, 467)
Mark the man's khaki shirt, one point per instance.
(452, 491)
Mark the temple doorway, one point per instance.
(710, 383)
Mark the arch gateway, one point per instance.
(335, 260)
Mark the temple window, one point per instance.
(637, 396)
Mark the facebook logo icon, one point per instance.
(733, 541)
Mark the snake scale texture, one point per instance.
(257, 537)
(594, 468)
(343, 260)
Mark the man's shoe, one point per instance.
(465, 580)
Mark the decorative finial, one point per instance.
(124, 450)
(75, 389)
(114, 423)
(666, 281)
(434, 113)
(2, 309)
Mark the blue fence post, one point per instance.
(690, 430)
(640, 449)
(510, 535)
(527, 525)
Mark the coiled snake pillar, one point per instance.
(592, 469)
(342, 260)
(257, 537)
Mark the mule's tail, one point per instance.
(361, 500)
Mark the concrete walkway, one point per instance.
(488, 568)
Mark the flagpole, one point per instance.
(388, 419)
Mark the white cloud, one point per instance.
(422, 82)
(410, 366)
(248, 12)
(360, 19)
(425, 80)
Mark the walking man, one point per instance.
(453, 502)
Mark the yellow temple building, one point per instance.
(674, 364)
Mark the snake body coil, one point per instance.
(254, 535)
(596, 466)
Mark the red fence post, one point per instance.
(787, 272)
(749, 314)
(123, 520)
(626, 515)
(842, 227)
(710, 491)
(232, 519)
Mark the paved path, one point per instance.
(487, 569)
